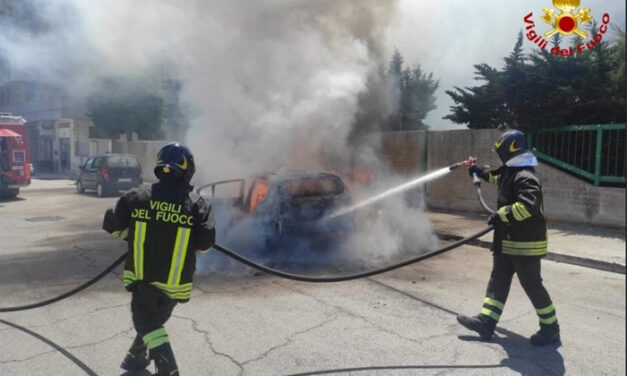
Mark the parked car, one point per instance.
(287, 207)
(109, 173)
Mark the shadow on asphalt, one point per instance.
(11, 199)
(137, 373)
(525, 358)
(393, 368)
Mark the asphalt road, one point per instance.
(244, 323)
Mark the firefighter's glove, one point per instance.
(474, 169)
(494, 219)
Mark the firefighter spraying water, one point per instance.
(520, 240)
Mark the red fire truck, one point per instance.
(14, 155)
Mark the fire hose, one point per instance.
(477, 183)
(303, 278)
(282, 274)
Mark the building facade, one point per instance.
(57, 122)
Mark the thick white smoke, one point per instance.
(278, 83)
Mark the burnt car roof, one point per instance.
(275, 178)
(295, 174)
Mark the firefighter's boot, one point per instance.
(136, 358)
(547, 335)
(164, 360)
(481, 324)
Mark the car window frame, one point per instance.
(253, 185)
(89, 163)
(123, 157)
(337, 182)
(99, 163)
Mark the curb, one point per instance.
(557, 257)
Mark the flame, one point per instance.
(362, 176)
(259, 193)
(357, 179)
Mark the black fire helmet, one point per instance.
(176, 159)
(511, 144)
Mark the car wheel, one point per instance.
(100, 191)
(79, 187)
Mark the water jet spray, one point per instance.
(403, 187)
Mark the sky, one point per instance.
(447, 37)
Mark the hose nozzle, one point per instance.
(467, 163)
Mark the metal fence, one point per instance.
(593, 152)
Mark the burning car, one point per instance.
(287, 207)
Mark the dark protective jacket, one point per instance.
(521, 230)
(164, 226)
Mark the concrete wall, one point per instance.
(571, 199)
(567, 199)
(405, 151)
(81, 146)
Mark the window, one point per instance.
(19, 156)
(121, 161)
(89, 162)
(98, 162)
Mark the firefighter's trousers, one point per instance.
(527, 268)
(150, 307)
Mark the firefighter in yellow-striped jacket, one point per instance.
(164, 225)
(520, 240)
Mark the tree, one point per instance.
(412, 93)
(617, 75)
(481, 106)
(125, 106)
(395, 98)
(544, 90)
